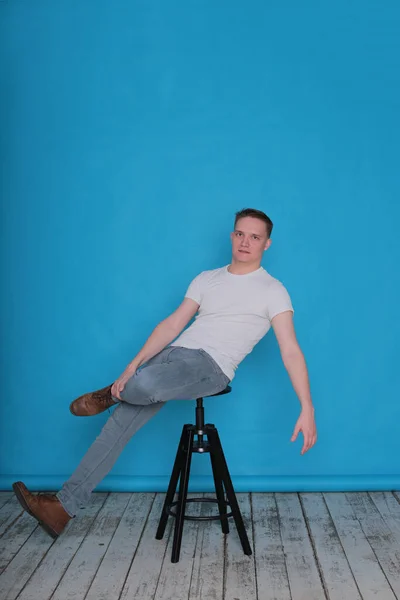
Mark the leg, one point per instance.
(219, 489)
(174, 373)
(230, 492)
(176, 471)
(183, 490)
(122, 424)
(182, 374)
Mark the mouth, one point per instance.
(244, 252)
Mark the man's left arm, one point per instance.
(295, 365)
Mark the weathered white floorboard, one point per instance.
(341, 546)
(143, 575)
(23, 565)
(111, 575)
(240, 578)
(175, 578)
(208, 569)
(271, 571)
(82, 569)
(338, 577)
(47, 576)
(15, 537)
(367, 571)
(389, 508)
(4, 497)
(304, 579)
(380, 537)
(9, 513)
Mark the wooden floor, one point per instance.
(307, 546)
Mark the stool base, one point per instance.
(222, 481)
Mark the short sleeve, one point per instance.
(195, 289)
(278, 300)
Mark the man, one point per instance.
(236, 305)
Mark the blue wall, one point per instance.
(131, 133)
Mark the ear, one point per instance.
(267, 244)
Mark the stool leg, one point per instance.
(230, 492)
(173, 482)
(183, 489)
(218, 482)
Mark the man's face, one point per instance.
(249, 240)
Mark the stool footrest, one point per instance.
(206, 518)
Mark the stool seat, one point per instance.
(222, 481)
(225, 391)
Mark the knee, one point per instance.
(139, 389)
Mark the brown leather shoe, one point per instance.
(92, 403)
(45, 508)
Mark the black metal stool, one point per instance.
(181, 471)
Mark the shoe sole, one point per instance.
(21, 500)
(76, 414)
(91, 415)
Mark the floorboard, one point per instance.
(368, 573)
(304, 578)
(306, 546)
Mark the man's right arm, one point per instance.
(165, 332)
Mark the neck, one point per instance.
(237, 268)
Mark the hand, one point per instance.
(306, 424)
(120, 383)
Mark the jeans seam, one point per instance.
(78, 485)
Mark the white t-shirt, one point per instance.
(235, 313)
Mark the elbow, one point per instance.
(291, 355)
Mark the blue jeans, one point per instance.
(175, 373)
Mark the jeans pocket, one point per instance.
(166, 352)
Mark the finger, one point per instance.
(309, 443)
(115, 391)
(306, 444)
(295, 433)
